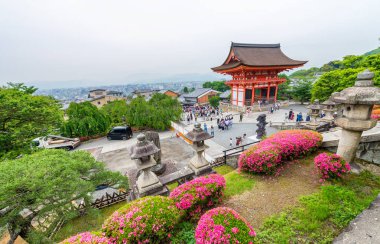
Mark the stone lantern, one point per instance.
(198, 163)
(329, 108)
(147, 182)
(314, 110)
(357, 104)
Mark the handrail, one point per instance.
(238, 147)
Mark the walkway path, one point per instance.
(365, 228)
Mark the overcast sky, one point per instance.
(66, 43)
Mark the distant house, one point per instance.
(146, 93)
(199, 96)
(97, 93)
(225, 96)
(169, 93)
(100, 97)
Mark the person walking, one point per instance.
(212, 130)
(205, 127)
(241, 117)
(286, 117)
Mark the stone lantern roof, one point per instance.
(143, 148)
(363, 92)
(315, 105)
(329, 102)
(197, 134)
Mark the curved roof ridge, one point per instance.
(255, 45)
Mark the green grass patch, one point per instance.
(92, 221)
(237, 183)
(323, 215)
(224, 169)
(171, 186)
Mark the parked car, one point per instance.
(57, 142)
(120, 133)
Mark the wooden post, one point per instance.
(244, 96)
(268, 92)
(275, 95)
(253, 95)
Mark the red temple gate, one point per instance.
(254, 69)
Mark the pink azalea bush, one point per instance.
(199, 194)
(223, 225)
(146, 220)
(87, 238)
(331, 166)
(267, 155)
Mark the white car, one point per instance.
(58, 142)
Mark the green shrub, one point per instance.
(146, 219)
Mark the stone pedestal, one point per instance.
(148, 182)
(198, 163)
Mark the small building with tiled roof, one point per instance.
(254, 69)
(169, 93)
(198, 96)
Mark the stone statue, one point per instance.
(154, 137)
(261, 126)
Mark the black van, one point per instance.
(120, 133)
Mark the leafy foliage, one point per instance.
(184, 234)
(199, 194)
(157, 113)
(323, 215)
(46, 183)
(268, 155)
(214, 101)
(25, 117)
(116, 111)
(302, 91)
(331, 166)
(284, 89)
(149, 218)
(85, 119)
(223, 225)
(343, 74)
(216, 85)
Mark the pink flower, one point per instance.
(235, 230)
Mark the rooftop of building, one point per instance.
(257, 55)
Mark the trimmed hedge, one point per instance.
(198, 195)
(148, 219)
(223, 225)
(267, 155)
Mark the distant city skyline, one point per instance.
(60, 44)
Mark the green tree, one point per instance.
(116, 111)
(43, 186)
(302, 91)
(85, 119)
(284, 89)
(345, 75)
(216, 85)
(21, 87)
(185, 89)
(155, 114)
(23, 117)
(165, 109)
(214, 101)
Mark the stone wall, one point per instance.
(368, 149)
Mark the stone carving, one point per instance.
(260, 132)
(358, 102)
(198, 163)
(147, 182)
(154, 137)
